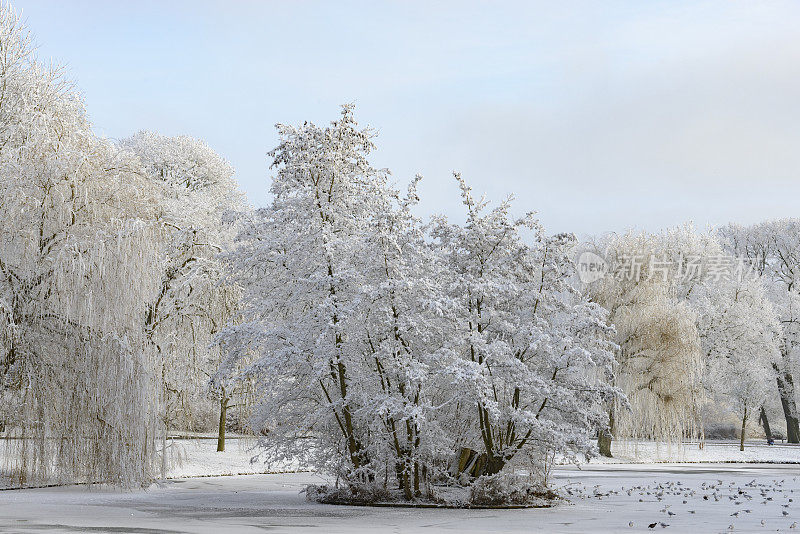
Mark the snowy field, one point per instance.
(199, 458)
(756, 451)
(606, 498)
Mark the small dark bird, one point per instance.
(652, 525)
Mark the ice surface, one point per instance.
(259, 503)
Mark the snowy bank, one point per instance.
(197, 456)
(722, 451)
(194, 457)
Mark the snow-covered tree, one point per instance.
(659, 358)
(529, 349)
(378, 351)
(195, 192)
(404, 333)
(772, 249)
(688, 314)
(75, 258)
(110, 288)
(740, 335)
(302, 263)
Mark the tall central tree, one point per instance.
(381, 346)
(306, 253)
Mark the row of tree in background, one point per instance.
(694, 347)
(140, 295)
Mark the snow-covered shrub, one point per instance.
(720, 430)
(350, 494)
(508, 489)
(539, 464)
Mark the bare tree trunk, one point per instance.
(605, 437)
(604, 440)
(165, 397)
(416, 479)
(765, 423)
(744, 422)
(786, 390)
(494, 465)
(164, 453)
(406, 483)
(223, 415)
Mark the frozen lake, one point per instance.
(259, 503)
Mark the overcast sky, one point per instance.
(598, 115)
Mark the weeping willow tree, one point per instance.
(659, 370)
(76, 263)
(659, 364)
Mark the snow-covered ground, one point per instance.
(606, 498)
(198, 457)
(756, 451)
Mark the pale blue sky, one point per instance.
(598, 115)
